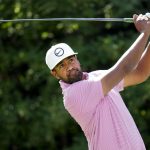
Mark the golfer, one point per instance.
(93, 99)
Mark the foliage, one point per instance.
(31, 106)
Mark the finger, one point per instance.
(135, 16)
(144, 17)
(148, 15)
(139, 17)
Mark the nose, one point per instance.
(69, 67)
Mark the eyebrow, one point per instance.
(62, 60)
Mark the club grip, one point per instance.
(129, 20)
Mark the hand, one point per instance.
(142, 23)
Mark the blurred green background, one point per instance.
(32, 115)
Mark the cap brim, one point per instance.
(62, 60)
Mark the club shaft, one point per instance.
(130, 20)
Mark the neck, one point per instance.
(84, 76)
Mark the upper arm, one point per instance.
(89, 95)
(111, 78)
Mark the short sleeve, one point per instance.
(85, 95)
(82, 98)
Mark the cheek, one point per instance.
(62, 74)
(78, 64)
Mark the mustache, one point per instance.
(73, 69)
(74, 75)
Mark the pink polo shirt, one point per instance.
(105, 120)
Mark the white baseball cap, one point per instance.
(57, 53)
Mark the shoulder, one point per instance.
(98, 73)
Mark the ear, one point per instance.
(54, 73)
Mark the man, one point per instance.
(93, 99)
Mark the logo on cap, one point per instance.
(59, 52)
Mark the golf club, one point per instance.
(129, 20)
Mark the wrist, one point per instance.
(145, 34)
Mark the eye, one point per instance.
(61, 66)
(71, 59)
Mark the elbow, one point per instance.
(127, 69)
(141, 77)
(142, 73)
(144, 77)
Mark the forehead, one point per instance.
(73, 56)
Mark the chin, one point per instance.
(76, 79)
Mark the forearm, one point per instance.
(143, 67)
(125, 64)
(132, 56)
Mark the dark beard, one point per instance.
(74, 75)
